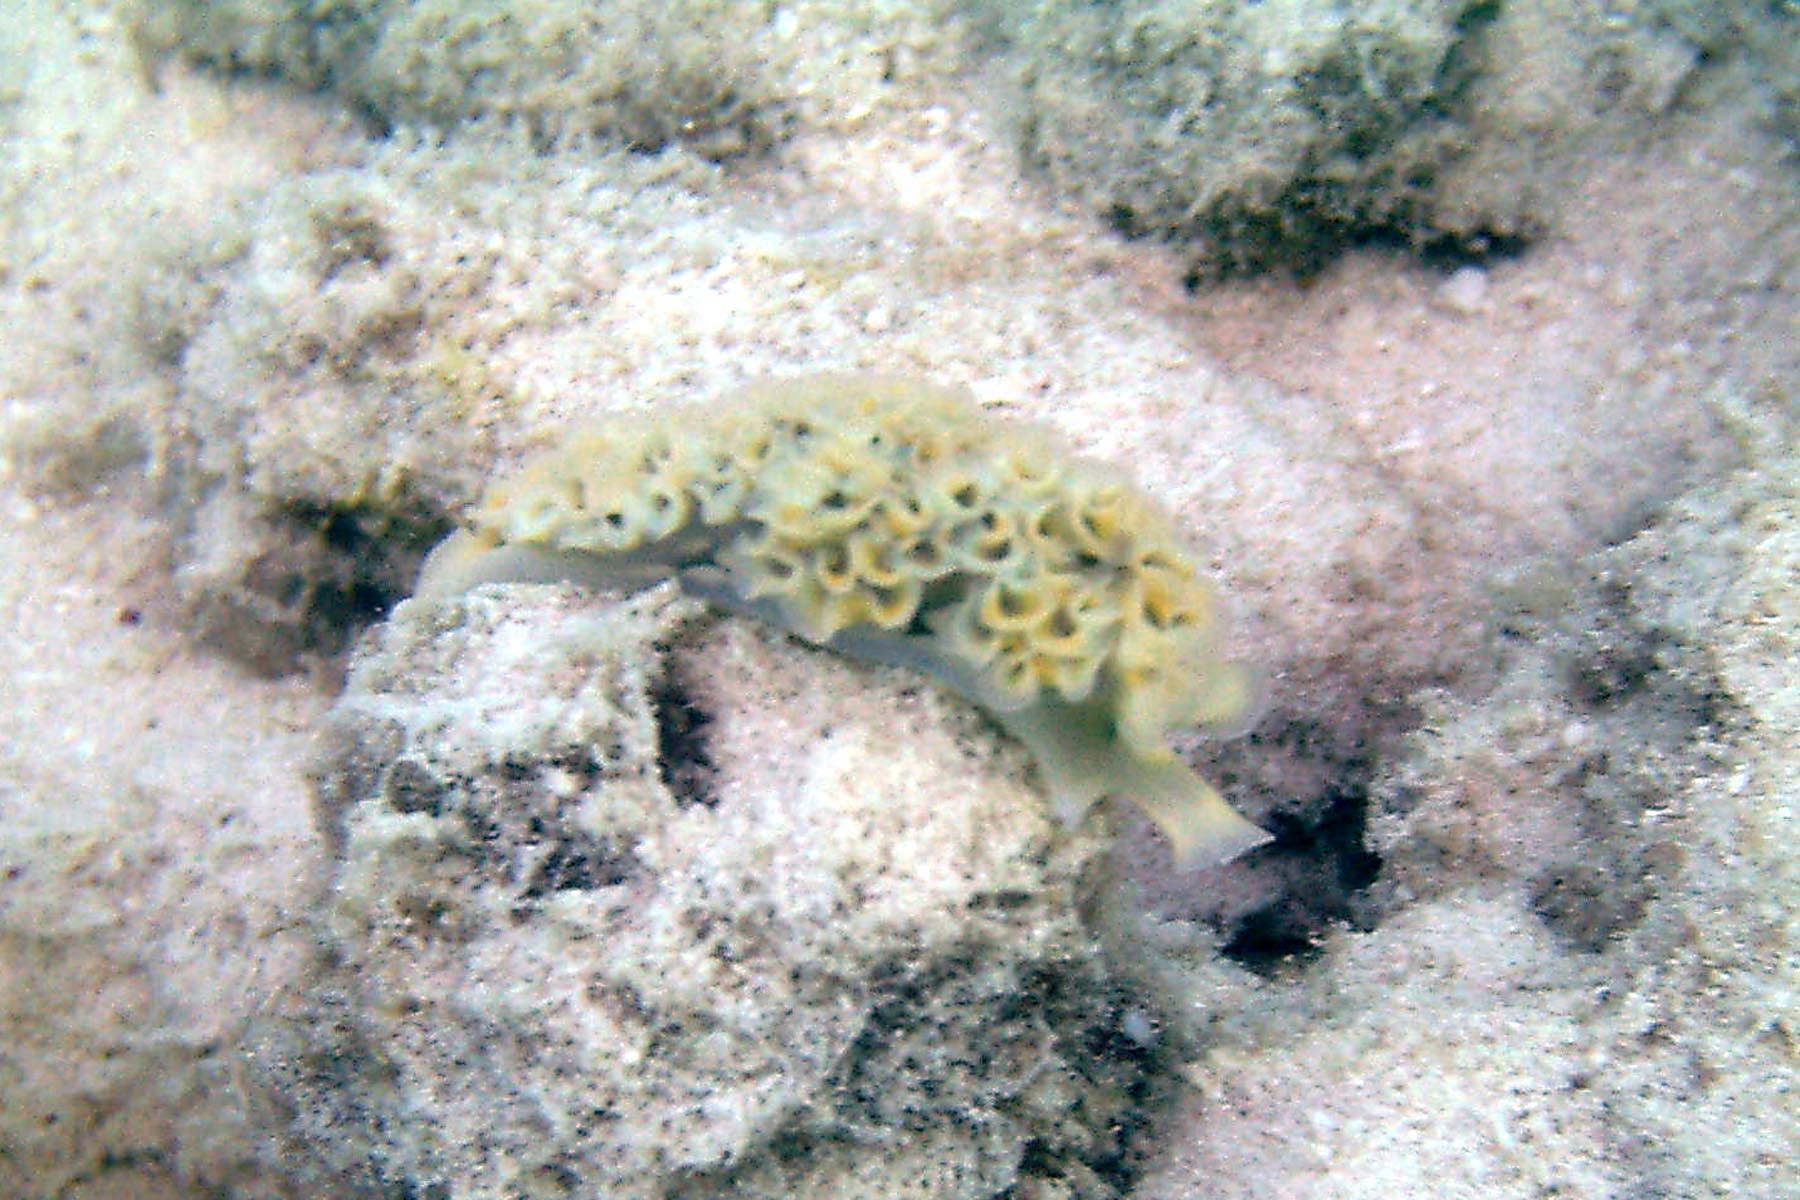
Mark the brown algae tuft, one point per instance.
(887, 519)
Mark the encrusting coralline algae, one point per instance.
(886, 519)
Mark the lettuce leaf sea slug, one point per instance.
(887, 519)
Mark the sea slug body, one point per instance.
(889, 520)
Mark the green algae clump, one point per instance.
(887, 519)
